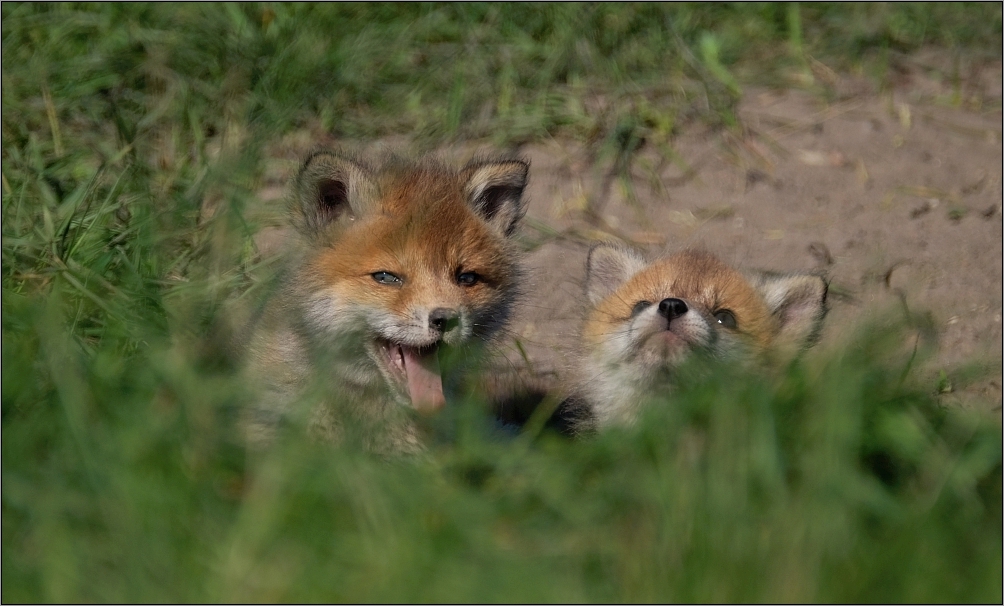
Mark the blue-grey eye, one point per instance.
(468, 278)
(385, 277)
(726, 318)
(639, 307)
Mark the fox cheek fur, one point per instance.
(652, 339)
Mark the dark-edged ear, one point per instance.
(494, 191)
(797, 301)
(330, 187)
(607, 267)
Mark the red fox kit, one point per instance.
(392, 263)
(645, 319)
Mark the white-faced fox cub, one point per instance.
(390, 263)
(646, 319)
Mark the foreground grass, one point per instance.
(838, 482)
(133, 140)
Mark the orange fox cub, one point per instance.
(392, 263)
(647, 318)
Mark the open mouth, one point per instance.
(417, 370)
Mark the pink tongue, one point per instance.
(425, 383)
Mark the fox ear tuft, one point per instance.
(607, 267)
(330, 187)
(798, 302)
(494, 190)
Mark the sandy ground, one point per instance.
(894, 196)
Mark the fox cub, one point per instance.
(645, 319)
(390, 264)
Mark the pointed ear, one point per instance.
(494, 190)
(329, 188)
(798, 301)
(607, 267)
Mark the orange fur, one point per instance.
(425, 233)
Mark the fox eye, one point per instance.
(385, 277)
(468, 278)
(726, 318)
(639, 307)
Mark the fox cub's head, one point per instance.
(646, 318)
(403, 258)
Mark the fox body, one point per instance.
(390, 264)
(645, 319)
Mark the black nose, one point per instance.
(672, 308)
(443, 320)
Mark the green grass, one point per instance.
(124, 478)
